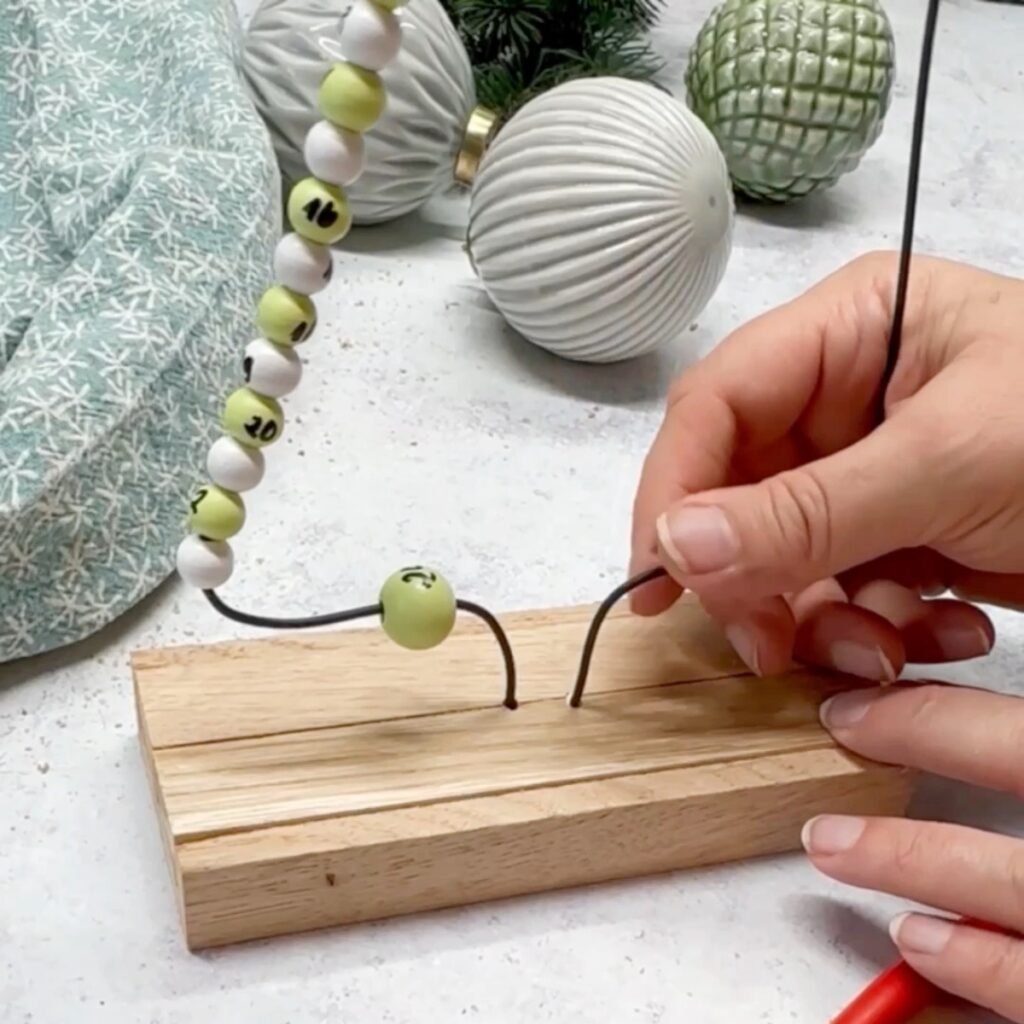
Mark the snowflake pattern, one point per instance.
(138, 214)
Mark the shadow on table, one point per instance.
(826, 208)
(845, 927)
(634, 382)
(864, 940)
(406, 234)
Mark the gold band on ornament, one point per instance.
(479, 132)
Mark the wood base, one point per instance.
(306, 781)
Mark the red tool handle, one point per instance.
(898, 995)
(895, 997)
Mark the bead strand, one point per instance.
(351, 99)
(417, 606)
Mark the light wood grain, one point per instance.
(329, 781)
(308, 681)
(345, 870)
(242, 784)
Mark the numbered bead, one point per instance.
(217, 514)
(285, 316)
(370, 36)
(335, 155)
(352, 97)
(319, 211)
(301, 265)
(272, 370)
(251, 419)
(417, 608)
(205, 564)
(234, 466)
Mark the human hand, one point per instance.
(964, 734)
(810, 530)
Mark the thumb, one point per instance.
(749, 542)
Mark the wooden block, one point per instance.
(317, 780)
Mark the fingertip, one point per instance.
(949, 631)
(762, 636)
(851, 640)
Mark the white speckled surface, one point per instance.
(424, 429)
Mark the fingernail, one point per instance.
(917, 933)
(961, 644)
(860, 660)
(744, 643)
(698, 538)
(831, 833)
(846, 709)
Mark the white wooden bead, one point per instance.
(271, 370)
(234, 466)
(301, 265)
(370, 36)
(334, 155)
(206, 564)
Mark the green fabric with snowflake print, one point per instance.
(138, 213)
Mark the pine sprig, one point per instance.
(520, 48)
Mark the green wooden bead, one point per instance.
(251, 419)
(217, 514)
(352, 97)
(284, 316)
(318, 211)
(417, 608)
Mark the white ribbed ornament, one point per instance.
(301, 265)
(601, 219)
(411, 150)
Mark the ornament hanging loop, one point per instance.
(480, 130)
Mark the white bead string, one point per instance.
(335, 155)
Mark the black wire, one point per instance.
(595, 627)
(895, 336)
(910, 209)
(892, 357)
(365, 612)
(306, 622)
(506, 648)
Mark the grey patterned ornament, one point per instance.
(412, 151)
(601, 219)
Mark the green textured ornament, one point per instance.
(417, 608)
(795, 91)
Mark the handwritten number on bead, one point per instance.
(247, 369)
(259, 430)
(420, 576)
(198, 499)
(323, 213)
